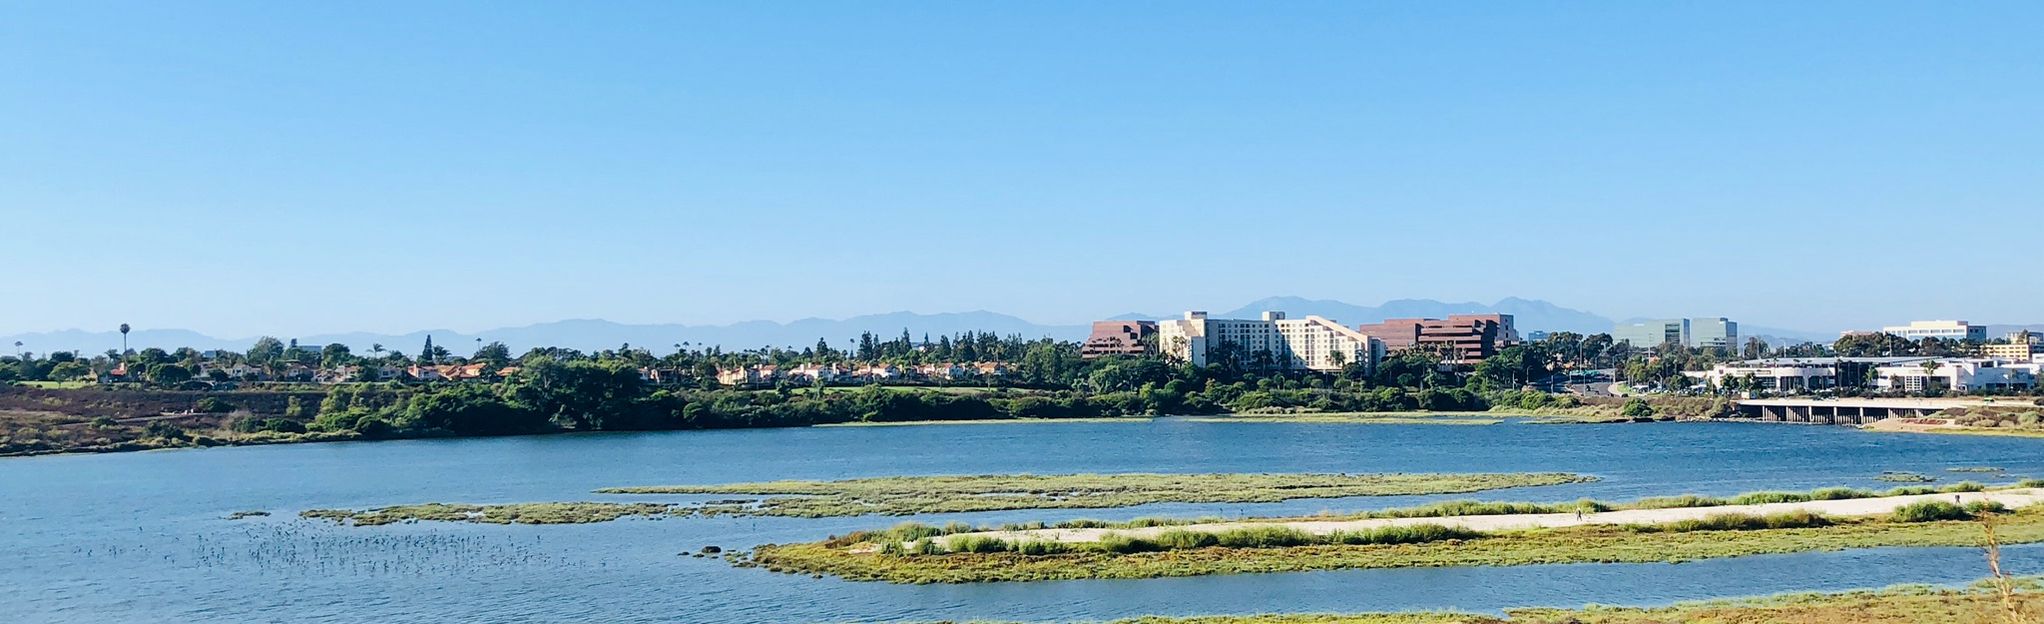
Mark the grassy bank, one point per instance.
(929, 561)
(952, 494)
(1003, 421)
(1359, 418)
(949, 494)
(1463, 508)
(1898, 605)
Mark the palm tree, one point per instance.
(124, 338)
(17, 349)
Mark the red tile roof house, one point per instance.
(749, 375)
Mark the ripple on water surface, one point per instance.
(143, 537)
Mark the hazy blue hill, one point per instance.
(587, 334)
(1527, 314)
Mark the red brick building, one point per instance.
(1119, 338)
(1460, 339)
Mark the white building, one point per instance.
(1957, 375)
(1788, 375)
(1799, 375)
(1311, 343)
(1949, 330)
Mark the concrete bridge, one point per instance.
(1847, 411)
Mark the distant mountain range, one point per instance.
(583, 334)
(592, 334)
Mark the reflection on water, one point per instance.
(143, 537)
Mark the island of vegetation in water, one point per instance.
(947, 494)
(1987, 602)
(899, 496)
(512, 513)
(1898, 476)
(919, 554)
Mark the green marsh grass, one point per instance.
(956, 494)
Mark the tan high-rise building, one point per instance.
(2021, 347)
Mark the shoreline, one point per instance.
(1852, 507)
(1977, 602)
(1655, 530)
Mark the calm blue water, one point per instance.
(141, 537)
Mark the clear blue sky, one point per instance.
(299, 167)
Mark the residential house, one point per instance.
(295, 372)
(424, 373)
(662, 376)
(950, 371)
(878, 373)
(749, 376)
(815, 373)
(343, 374)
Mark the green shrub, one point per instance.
(910, 531)
(1468, 508)
(1986, 507)
(1840, 493)
(1411, 534)
(1039, 547)
(163, 429)
(1263, 537)
(1182, 540)
(1930, 511)
(976, 544)
(1674, 502)
(1764, 498)
(1125, 545)
(1745, 522)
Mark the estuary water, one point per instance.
(143, 537)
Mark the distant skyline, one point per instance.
(245, 168)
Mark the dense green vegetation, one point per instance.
(371, 395)
(951, 494)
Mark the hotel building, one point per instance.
(1312, 343)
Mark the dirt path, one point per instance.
(1850, 507)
